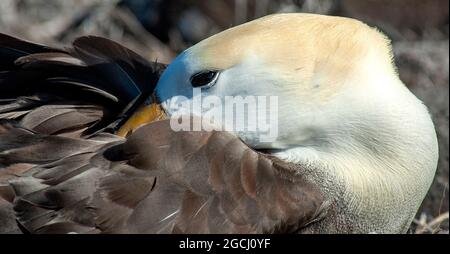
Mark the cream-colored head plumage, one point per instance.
(343, 112)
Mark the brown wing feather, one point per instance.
(160, 181)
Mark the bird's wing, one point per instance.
(74, 92)
(155, 181)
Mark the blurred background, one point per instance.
(160, 29)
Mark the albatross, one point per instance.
(87, 145)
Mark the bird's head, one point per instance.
(327, 76)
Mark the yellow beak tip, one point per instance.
(144, 115)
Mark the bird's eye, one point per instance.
(204, 78)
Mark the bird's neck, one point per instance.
(378, 164)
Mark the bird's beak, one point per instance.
(144, 115)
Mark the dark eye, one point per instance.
(204, 78)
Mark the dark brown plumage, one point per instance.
(157, 181)
(61, 172)
(94, 85)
